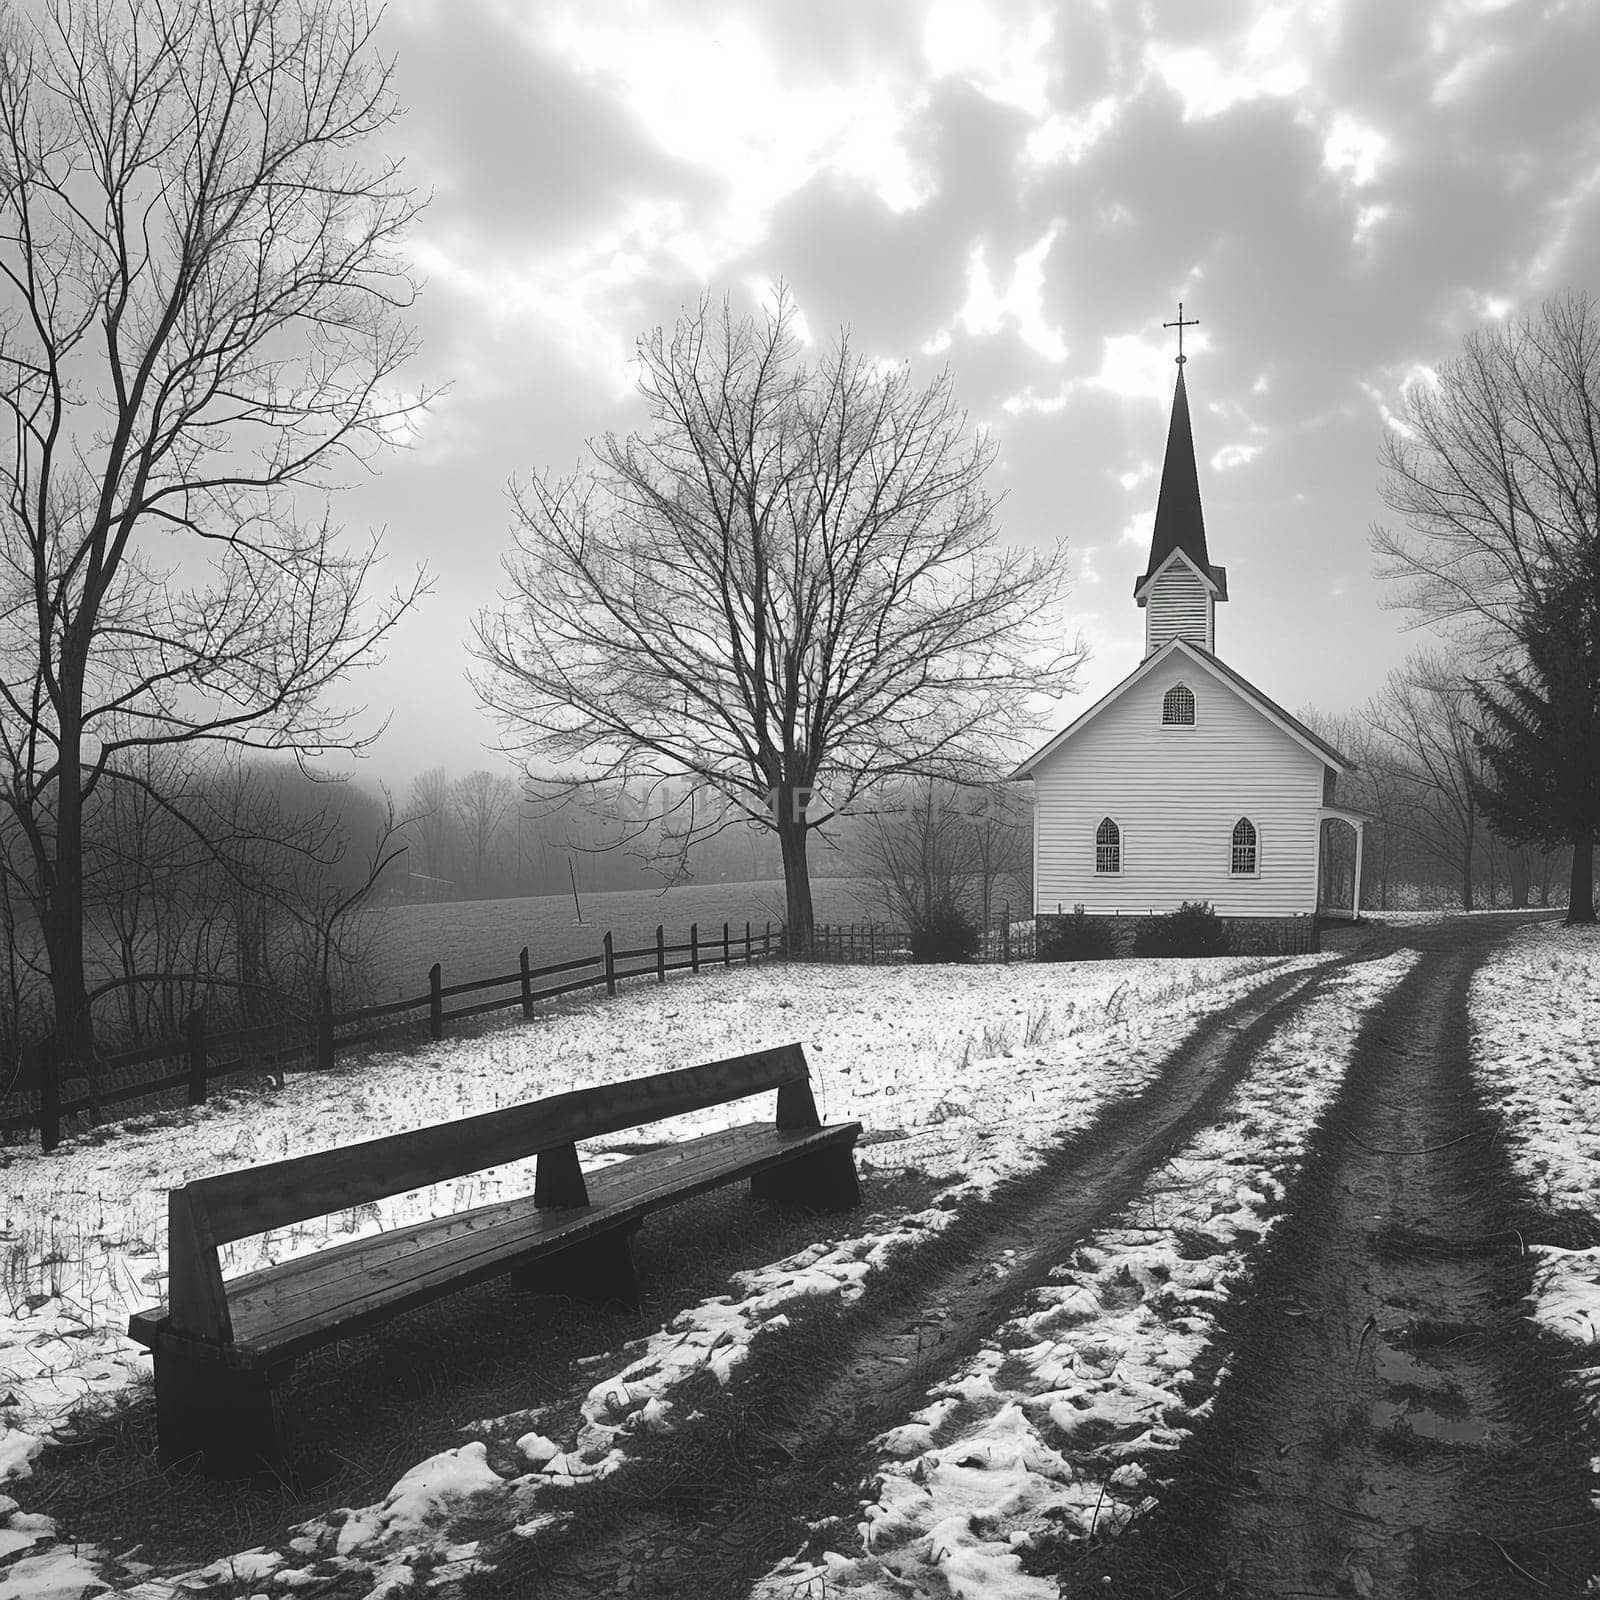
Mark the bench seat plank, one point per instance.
(281, 1311)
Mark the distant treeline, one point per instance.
(480, 836)
(224, 884)
(237, 886)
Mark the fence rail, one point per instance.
(314, 1040)
(883, 944)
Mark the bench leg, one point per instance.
(599, 1269)
(230, 1418)
(823, 1181)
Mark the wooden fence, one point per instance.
(881, 944)
(35, 1100)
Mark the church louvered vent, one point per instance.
(1177, 707)
(1244, 846)
(1180, 608)
(1108, 847)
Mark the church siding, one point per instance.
(1178, 607)
(1176, 794)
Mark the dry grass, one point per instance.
(368, 1408)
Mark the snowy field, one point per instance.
(961, 1072)
(1535, 1010)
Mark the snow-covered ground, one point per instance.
(961, 1072)
(1535, 1009)
(1049, 1429)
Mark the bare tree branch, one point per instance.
(786, 591)
(201, 334)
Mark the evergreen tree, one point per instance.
(1541, 735)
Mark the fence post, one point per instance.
(872, 944)
(694, 946)
(1005, 934)
(661, 952)
(435, 1002)
(725, 957)
(324, 1028)
(44, 1067)
(747, 944)
(611, 968)
(527, 986)
(766, 940)
(195, 1033)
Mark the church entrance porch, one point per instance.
(1338, 877)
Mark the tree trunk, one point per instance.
(61, 922)
(247, 951)
(1521, 876)
(1466, 873)
(792, 830)
(1546, 869)
(1580, 897)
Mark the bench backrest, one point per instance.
(232, 1205)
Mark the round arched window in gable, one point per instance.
(1244, 846)
(1107, 846)
(1177, 707)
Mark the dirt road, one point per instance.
(1392, 1424)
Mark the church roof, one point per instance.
(1269, 708)
(1291, 724)
(1180, 523)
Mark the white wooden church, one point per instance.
(1185, 782)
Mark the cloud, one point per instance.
(1338, 189)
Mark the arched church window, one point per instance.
(1107, 847)
(1244, 846)
(1177, 707)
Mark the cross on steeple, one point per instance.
(1180, 325)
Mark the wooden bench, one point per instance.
(223, 1347)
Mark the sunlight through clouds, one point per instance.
(1070, 137)
(1353, 150)
(1233, 455)
(570, 296)
(1137, 368)
(725, 101)
(987, 310)
(1006, 61)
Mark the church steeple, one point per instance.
(1180, 594)
(1180, 523)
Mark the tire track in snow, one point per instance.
(1391, 1426)
(994, 1256)
(1054, 1433)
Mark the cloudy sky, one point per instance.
(1339, 191)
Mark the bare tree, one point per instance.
(1372, 785)
(1001, 818)
(1495, 471)
(785, 591)
(202, 324)
(482, 801)
(431, 825)
(921, 852)
(1427, 761)
(227, 885)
